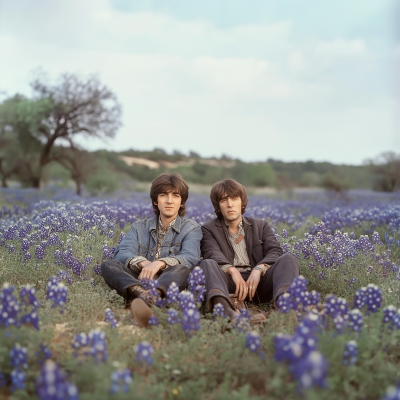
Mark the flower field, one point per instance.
(65, 335)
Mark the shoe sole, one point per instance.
(141, 312)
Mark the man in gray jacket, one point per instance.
(165, 247)
(241, 254)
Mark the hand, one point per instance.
(151, 269)
(252, 282)
(241, 287)
(143, 264)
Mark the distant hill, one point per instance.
(144, 166)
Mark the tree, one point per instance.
(58, 113)
(387, 167)
(19, 151)
(78, 162)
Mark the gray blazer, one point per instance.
(261, 243)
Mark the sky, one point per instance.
(293, 80)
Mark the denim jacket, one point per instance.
(182, 242)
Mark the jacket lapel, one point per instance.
(223, 237)
(248, 233)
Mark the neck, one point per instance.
(166, 220)
(233, 225)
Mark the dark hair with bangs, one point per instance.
(169, 183)
(227, 188)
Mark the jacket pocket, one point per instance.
(142, 250)
(175, 249)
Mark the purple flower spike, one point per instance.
(120, 381)
(350, 353)
(311, 371)
(173, 316)
(191, 321)
(355, 320)
(218, 310)
(197, 283)
(143, 351)
(253, 343)
(172, 293)
(110, 319)
(18, 379)
(18, 357)
(153, 321)
(52, 383)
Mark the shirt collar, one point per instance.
(160, 224)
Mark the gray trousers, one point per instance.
(281, 274)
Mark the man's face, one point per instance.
(169, 203)
(231, 207)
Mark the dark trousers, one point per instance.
(120, 278)
(281, 274)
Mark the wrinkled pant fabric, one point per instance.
(119, 277)
(281, 273)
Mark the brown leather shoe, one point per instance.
(141, 312)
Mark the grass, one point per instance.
(212, 364)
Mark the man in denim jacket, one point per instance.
(166, 246)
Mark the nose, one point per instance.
(229, 202)
(169, 198)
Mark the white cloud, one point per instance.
(341, 48)
(191, 85)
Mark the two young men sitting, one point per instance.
(241, 255)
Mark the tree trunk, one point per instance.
(3, 182)
(78, 187)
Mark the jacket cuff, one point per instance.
(134, 261)
(225, 267)
(169, 261)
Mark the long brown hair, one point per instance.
(169, 183)
(228, 187)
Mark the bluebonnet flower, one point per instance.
(28, 296)
(97, 269)
(284, 303)
(18, 357)
(31, 318)
(27, 256)
(11, 248)
(253, 343)
(190, 321)
(18, 379)
(371, 296)
(108, 253)
(110, 319)
(172, 293)
(39, 252)
(186, 301)
(93, 344)
(52, 383)
(311, 371)
(43, 354)
(10, 307)
(121, 236)
(350, 353)
(242, 321)
(151, 285)
(284, 233)
(87, 261)
(376, 239)
(197, 283)
(57, 293)
(120, 380)
(3, 382)
(388, 313)
(297, 296)
(110, 234)
(218, 310)
(355, 320)
(173, 316)
(143, 351)
(153, 321)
